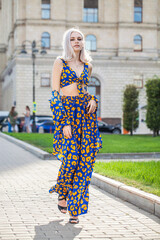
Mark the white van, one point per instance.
(3, 115)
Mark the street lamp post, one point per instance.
(34, 51)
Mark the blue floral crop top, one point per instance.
(69, 76)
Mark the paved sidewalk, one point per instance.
(28, 211)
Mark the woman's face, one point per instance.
(76, 41)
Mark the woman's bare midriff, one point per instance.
(71, 90)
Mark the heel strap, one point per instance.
(59, 199)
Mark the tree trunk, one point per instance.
(154, 133)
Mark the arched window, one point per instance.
(137, 43)
(91, 43)
(45, 6)
(45, 40)
(138, 11)
(94, 89)
(90, 11)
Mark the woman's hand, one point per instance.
(92, 106)
(67, 131)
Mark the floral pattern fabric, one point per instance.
(78, 153)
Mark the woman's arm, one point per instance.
(90, 69)
(93, 103)
(56, 74)
(56, 106)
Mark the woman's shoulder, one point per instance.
(58, 62)
(89, 66)
(58, 65)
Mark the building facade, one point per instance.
(122, 36)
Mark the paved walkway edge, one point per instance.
(34, 150)
(146, 201)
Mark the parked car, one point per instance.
(20, 123)
(46, 127)
(39, 120)
(4, 125)
(104, 127)
(3, 115)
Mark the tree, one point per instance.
(130, 108)
(153, 105)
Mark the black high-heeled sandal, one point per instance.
(74, 220)
(60, 207)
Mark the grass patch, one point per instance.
(130, 144)
(142, 175)
(40, 140)
(110, 143)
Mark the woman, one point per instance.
(27, 119)
(76, 136)
(12, 118)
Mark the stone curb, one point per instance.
(130, 155)
(143, 200)
(34, 150)
(146, 201)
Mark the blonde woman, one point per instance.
(76, 137)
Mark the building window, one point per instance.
(90, 11)
(45, 40)
(138, 43)
(0, 4)
(94, 89)
(45, 80)
(138, 11)
(91, 43)
(46, 7)
(138, 81)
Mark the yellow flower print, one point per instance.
(88, 159)
(77, 121)
(84, 206)
(73, 147)
(76, 179)
(87, 149)
(72, 208)
(64, 75)
(79, 174)
(74, 213)
(79, 130)
(74, 163)
(68, 71)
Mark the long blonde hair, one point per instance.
(68, 52)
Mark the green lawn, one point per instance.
(43, 141)
(142, 175)
(111, 143)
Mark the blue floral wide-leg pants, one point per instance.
(77, 154)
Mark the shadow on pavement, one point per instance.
(56, 231)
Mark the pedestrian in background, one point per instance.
(27, 120)
(12, 118)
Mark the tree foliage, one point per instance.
(153, 105)
(130, 108)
